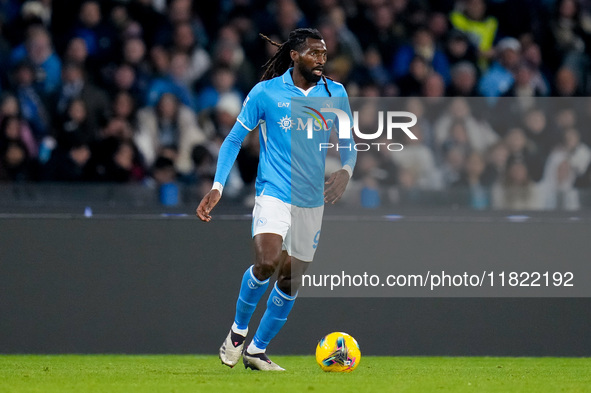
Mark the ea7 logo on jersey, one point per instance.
(283, 104)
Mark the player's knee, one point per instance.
(265, 267)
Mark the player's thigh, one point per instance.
(270, 223)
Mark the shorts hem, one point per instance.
(268, 231)
(300, 257)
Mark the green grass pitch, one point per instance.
(172, 373)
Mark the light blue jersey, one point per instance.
(291, 167)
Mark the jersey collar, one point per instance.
(288, 79)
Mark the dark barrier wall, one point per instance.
(158, 285)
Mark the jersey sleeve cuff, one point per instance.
(218, 186)
(349, 170)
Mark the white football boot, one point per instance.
(231, 349)
(259, 361)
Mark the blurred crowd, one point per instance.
(146, 90)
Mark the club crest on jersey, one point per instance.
(285, 123)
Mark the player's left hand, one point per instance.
(335, 186)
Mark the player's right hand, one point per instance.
(207, 204)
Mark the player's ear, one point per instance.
(294, 54)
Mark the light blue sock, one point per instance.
(278, 307)
(251, 291)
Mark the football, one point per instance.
(338, 352)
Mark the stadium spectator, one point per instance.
(31, 13)
(433, 86)
(516, 191)
(566, 162)
(73, 125)
(223, 81)
(457, 139)
(345, 37)
(115, 161)
(521, 149)
(570, 28)
(418, 163)
(170, 123)
(134, 55)
(472, 179)
(535, 124)
(146, 14)
(523, 86)
(228, 53)
(566, 83)
(500, 76)
(204, 167)
(438, 24)
(177, 12)
(471, 18)
(162, 171)
(98, 34)
(372, 70)
(38, 50)
(77, 52)
(424, 46)
(15, 163)
(75, 86)
(411, 83)
(472, 174)
(464, 76)
(287, 16)
(175, 82)
(184, 40)
(459, 49)
(68, 164)
(454, 158)
(380, 27)
(33, 106)
(225, 113)
(13, 128)
(480, 134)
(124, 107)
(532, 56)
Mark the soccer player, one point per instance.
(286, 226)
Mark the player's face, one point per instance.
(311, 60)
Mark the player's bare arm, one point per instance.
(207, 204)
(335, 186)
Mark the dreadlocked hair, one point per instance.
(281, 60)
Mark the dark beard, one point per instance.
(309, 76)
